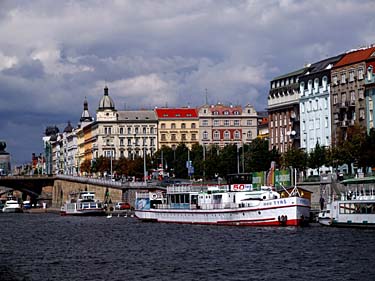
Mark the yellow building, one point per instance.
(177, 125)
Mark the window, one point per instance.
(236, 123)
(361, 114)
(173, 126)
(236, 112)
(325, 81)
(205, 135)
(216, 135)
(334, 78)
(193, 137)
(237, 135)
(302, 108)
(351, 75)
(316, 85)
(249, 122)
(249, 135)
(360, 94)
(335, 98)
(360, 73)
(193, 125)
(129, 130)
(136, 130)
(173, 137)
(302, 87)
(121, 131)
(226, 135)
(129, 141)
(352, 96)
(183, 137)
(144, 130)
(121, 141)
(204, 123)
(343, 98)
(107, 130)
(162, 125)
(216, 123)
(183, 126)
(326, 122)
(226, 123)
(163, 138)
(303, 125)
(317, 123)
(215, 113)
(152, 130)
(343, 78)
(226, 112)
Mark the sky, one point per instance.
(151, 54)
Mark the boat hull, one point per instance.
(12, 210)
(350, 213)
(99, 212)
(292, 211)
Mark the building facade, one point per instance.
(226, 124)
(370, 92)
(315, 104)
(348, 104)
(177, 125)
(283, 111)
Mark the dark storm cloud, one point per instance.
(53, 54)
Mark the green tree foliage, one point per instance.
(317, 157)
(296, 158)
(367, 151)
(258, 157)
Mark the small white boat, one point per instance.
(12, 206)
(353, 208)
(83, 204)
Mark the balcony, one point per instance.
(343, 123)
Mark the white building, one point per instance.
(315, 106)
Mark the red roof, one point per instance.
(356, 56)
(173, 113)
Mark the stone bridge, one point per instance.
(55, 190)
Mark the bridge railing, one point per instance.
(102, 181)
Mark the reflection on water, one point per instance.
(50, 247)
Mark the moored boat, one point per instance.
(353, 208)
(239, 205)
(83, 204)
(12, 205)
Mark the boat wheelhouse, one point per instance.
(83, 203)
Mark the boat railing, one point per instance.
(186, 188)
(202, 206)
(143, 195)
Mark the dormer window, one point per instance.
(226, 112)
(360, 73)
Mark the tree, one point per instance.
(86, 166)
(367, 151)
(296, 158)
(258, 157)
(317, 157)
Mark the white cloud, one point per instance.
(150, 53)
(7, 61)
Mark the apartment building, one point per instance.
(348, 104)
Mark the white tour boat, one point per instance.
(12, 205)
(352, 208)
(233, 204)
(83, 204)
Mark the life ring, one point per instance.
(154, 196)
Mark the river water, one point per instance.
(51, 247)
